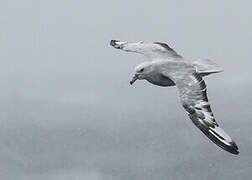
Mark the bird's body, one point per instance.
(160, 80)
(168, 68)
(157, 78)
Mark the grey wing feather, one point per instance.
(194, 99)
(156, 50)
(193, 96)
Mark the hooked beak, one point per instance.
(134, 79)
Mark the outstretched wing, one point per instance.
(193, 96)
(152, 51)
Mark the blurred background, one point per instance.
(67, 110)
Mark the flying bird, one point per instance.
(167, 68)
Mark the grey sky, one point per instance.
(68, 111)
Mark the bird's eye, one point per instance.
(141, 70)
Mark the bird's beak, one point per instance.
(134, 79)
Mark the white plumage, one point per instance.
(168, 68)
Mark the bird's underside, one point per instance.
(171, 69)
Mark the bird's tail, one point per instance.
(218, 136)
(205, 67)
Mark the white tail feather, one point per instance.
(206, 67)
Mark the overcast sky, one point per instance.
(67, 110)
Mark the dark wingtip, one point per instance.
(234, 149)
(236, 152)
(214, 136)
(113, 42)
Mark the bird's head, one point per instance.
(142, 71)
